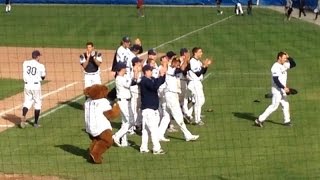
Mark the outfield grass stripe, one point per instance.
(195, 31)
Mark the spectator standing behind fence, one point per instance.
(302, 3)
(249, 8)
(8, 6)
(140, 8)
(218, 3)
(288, 9)
(316, 10)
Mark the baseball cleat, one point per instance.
(36, 125)
(116, 141)
(258, 123)
(193, 138)
(159, 152)
(289, 124)
(163, 139)
(22, 124)
(200, 123)
(142, 151)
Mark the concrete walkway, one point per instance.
(295, 14)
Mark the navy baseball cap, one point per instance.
(121, 65)
(126, 39)
(35, 53)
(170, 54)
(152, 52)
(135, 47)
(183, 50)
(135, 60)
(147, 68)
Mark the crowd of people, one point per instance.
(153, 98)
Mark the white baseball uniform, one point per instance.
(95, 121)
(172, 91)
(164, 114)
(123, 84)
(196, 87)
(33, 71)
(124, 55)
(92, 71)
(278, 94)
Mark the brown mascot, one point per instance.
(98, 113)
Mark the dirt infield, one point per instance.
(26, 177)
(64, 73)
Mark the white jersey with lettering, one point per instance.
(123, 54)
(95, 121)
(32, 73)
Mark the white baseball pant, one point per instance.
(150, 121)
(91, 79)
(196, 89)
(277, 98)
(32, 96)
(126, 119)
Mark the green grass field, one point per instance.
(244, 48)
(10, 87)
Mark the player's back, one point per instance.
(33, 71)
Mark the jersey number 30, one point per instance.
(31, 70)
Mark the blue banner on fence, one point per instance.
(309, 3)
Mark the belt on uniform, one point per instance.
(123, 99)
(94, 73)
(31, 83)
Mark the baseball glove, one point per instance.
(292, 91)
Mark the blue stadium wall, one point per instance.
(309, 3)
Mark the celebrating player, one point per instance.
(195, 76)
(91, 61)
(279, 89)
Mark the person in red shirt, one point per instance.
(140, 8)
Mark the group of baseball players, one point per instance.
(152, 97)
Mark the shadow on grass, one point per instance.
(74, 150)
(245, 115)
(73, 104)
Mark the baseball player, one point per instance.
(122, 54)
(279, 89)
(184, 95)
(136, 96)
(91, 61)
(238, 8)
(195, 76)
(33, 73)
(123, 84)
(172, 91)
(149, 106)
(8, 6)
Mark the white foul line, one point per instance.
(45, 95)
(195, 31)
